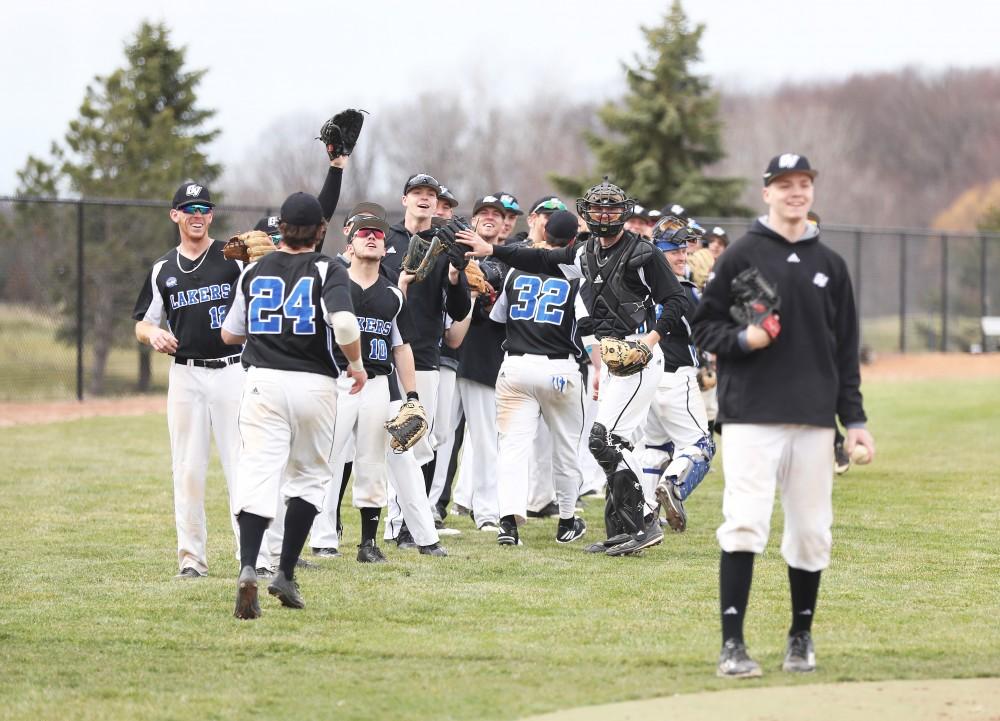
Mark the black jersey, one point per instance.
(427, 301)
(678, 347)
(281, 305)
(624, 282)
(384, 324)
(194, 297)
(481, 354)
(541, 314)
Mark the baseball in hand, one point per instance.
(860, 455)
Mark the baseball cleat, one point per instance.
(573, 529)
(547, 511)
(800, 656)
(434, 549)
(672, 506)
(404, 539)
(841, 461)
(247, 606)
(286, 591)
(437, 517)
(490, 527)
(330, 552)
(735, 662)
(507, 534)
(189, 572)
(602, 546)
(265, 572)
(653, 536)
(309, 565)
(368, 552)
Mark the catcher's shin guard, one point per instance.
(628, 502)
(606, 448)
(612, 522)
(689, 467)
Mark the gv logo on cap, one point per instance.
(788, 160)
(272, 222)
(193, 191)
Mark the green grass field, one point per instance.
(95, 627)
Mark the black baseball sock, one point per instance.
(252, 529)
(805, 588)
(369, 523)
(348, 467)
(428, 471)
(735, 576)
(299, 515)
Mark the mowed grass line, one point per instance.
(93, 625)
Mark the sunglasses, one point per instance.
(375, 233)
(422, 179)
(550, 204)
(510, 204)
(194, 208)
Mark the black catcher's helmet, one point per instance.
(605, 208)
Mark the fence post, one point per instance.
(79, 300)
(857, 275)
(902, 292)
(984, 300)
(944, 294)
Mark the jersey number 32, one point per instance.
(268, 303)
(539, 301)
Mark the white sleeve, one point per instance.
(236, 317)
(154, 313)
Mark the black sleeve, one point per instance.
(536, 260)
(850, 407)
(665, 290)
(457, 300)
(714, 329)
(145, 298)
(337, 289)
(329, 196)
(404, 324)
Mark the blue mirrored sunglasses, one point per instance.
(195, 208)
(551, 204)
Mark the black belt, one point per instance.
(208, 362)
(550, 356)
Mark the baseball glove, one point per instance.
(756, 302)
(248, 247)
(624, 357)
(408, 427)
(476, 280)
(420, 254)
(700, 262)
(340, 133)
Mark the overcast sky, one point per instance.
(267, 59)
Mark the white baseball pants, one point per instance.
(480, 404)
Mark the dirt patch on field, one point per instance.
(952, 700)
(932, 366)
(12, 414)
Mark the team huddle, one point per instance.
(576, 358)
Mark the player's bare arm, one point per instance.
(162, 341)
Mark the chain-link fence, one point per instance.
(70, 272)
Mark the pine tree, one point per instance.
(139, 134)
(665, 131)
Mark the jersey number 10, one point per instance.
(268, 303)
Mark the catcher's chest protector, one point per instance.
(617, 309)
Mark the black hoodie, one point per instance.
(810, 372)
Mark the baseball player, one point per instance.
(284, 308)
(539, 378)
(447, 202)
(511, 211)
(384, 325)
(443, 293)
(625, 278)
(782, 383)
(191, 287)
(479, 363)
(678, 445)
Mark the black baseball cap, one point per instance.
(510, 204)
(788, 163)
(301, 209)
(369, 221)
(548, 204)
(421, 180)
(650, 215)
(562, 226)
(447, 196)
(268, 225)
(489, 201)
(365, 209)
(192, 192)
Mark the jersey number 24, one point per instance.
(537, 300)
(268, 303)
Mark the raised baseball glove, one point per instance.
(424, 247)
(701, 262)
(340, 133)
(624, 357)
(475, 278)
(456, 251)
(755, 301)
(248, 247)
(408, 427)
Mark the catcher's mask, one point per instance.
(667, 236)
(605, 208)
